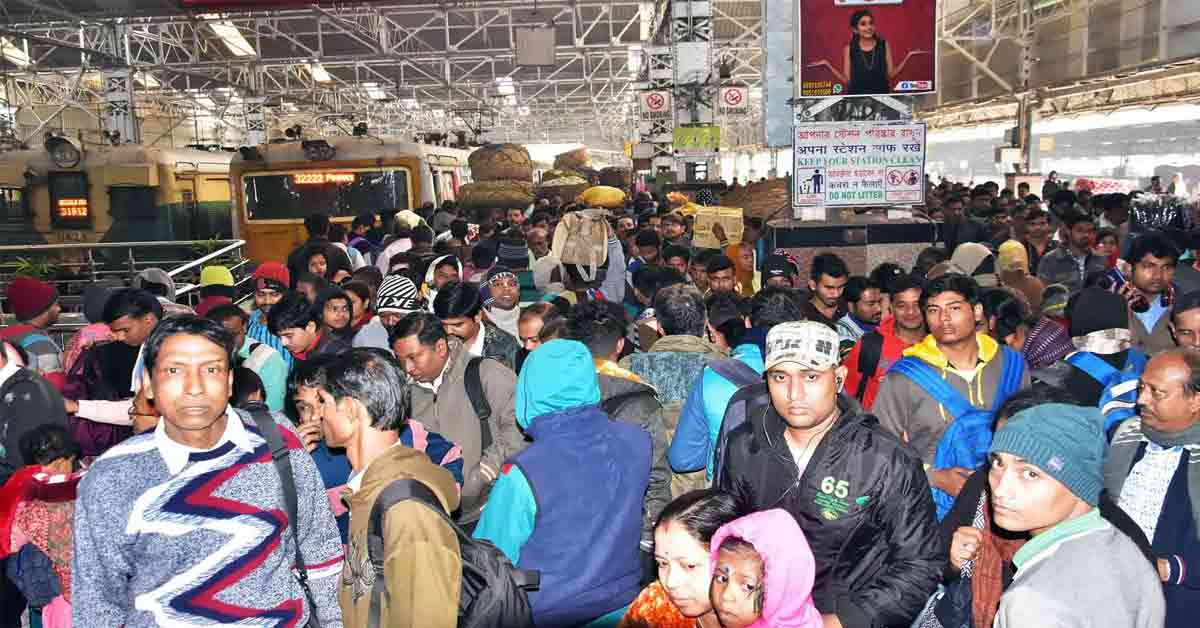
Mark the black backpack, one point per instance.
(494, 593)
(869, 355)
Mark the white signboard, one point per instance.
(858, 163)
(655, 105)
(734, 99)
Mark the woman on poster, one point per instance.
(867, 60)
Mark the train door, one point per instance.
(188, 228)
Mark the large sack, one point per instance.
(616, 177)
(554, 175)
(501, 162)
(566, 188)
(602, 196)
(496, 195)
(581, 238)
(573, 159)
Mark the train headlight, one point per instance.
(62, 152)
(317, 150)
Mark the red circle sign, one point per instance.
(733, 97)
(655, 101)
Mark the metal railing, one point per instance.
(117, 263)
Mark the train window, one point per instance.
(13, 209)
(296, 195)
(132, 203)
(70, 205)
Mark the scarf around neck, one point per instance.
(506, 320)
(1128, 441)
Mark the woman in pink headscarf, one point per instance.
(763, 573)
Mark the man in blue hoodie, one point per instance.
(570, 505)
(703, 412)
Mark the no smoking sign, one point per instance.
(734, 99)
(656, 105)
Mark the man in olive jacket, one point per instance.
(422, 566)
(437, 363)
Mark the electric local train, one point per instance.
(60, 194)
(276, 185)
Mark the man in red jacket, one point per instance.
(904, 328)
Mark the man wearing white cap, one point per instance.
(859, 493)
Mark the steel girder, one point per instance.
(426, 59)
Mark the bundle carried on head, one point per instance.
(567, 187)
(613, 176)
(602, 196)
(496, 195)
(501, 162)
(554, 175)
(573, 159)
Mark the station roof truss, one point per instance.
(1059, 58)
(403, 67)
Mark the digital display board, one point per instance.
(321, 178)
(72, 208)
(69, 204)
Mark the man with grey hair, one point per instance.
(675, 361)
(1153, 473)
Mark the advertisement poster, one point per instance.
(696, 141)
(859, 163)
(865, 47)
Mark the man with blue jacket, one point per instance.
(570, 505)
(704, 411)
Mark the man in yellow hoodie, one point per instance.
(972, 364)
(364, 412)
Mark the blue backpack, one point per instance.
(966, 440)
(1118, 402)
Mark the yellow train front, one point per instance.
(59, 194)
(276, 185)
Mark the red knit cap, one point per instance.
(28, 297)
(272, 272)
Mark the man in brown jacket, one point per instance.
(422, 566)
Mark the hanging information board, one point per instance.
(858, 163)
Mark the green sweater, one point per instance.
(1082, 573)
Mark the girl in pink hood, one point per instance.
(763, 573)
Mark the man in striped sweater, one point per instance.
(187, 524)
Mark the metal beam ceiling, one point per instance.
(403, 67)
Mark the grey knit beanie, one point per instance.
(1064, 441)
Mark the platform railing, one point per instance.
(118, 263)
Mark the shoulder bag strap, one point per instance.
(283, 466)
(737, 372)
(924, 376)
(473, 382)
(1010, 377)
(1089, 363)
